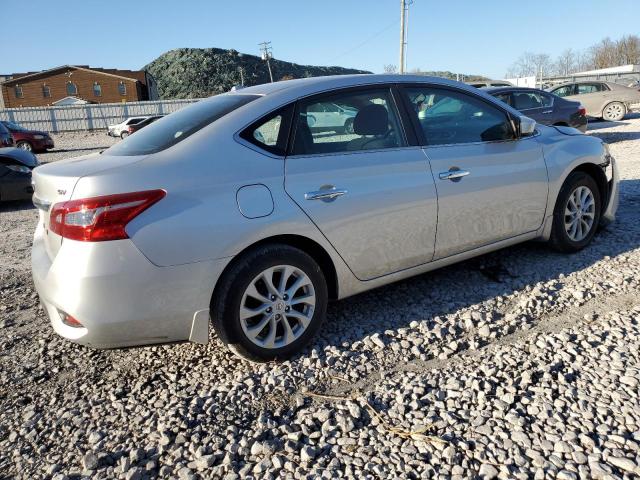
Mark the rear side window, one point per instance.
(452, 117)
(271, 132)
(351, 121)
(527, 100)
(504, 97)
(174, 128)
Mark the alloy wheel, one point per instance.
(579, 213)
(277, 306)
(614, 111)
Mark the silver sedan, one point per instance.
(242, 213)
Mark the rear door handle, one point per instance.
(453, 174)
(548, 111)
(328, 194)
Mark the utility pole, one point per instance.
(402, 35)
(265, 48)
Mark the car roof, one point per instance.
(512, 88)
(306, 86)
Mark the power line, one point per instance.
(364, 42)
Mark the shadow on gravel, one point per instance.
(447, 290)
(16, 206)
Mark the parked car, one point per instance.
(329, 116)
(198, 218)
(119, 128)
(607, 100)
(490, 83)
(30, 140)
(16, 165)
(137, 126)
(544, 107)
(6, 140)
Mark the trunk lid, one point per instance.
(55, 182)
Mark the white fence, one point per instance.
(92, 116)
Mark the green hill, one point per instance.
(201, 72)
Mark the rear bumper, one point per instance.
(120, 298)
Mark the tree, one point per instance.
(566, 62)
(390, 68)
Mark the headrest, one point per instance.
(371, 120)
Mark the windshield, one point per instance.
(14, 126)
(176, 127)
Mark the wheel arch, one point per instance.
(307, 245)
(595, 172)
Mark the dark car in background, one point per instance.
(16, 165)
(30, 140)
(6, 140)
(134, 127)
(543, 107)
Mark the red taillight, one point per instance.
(582, 111)
(69, 320)
(99, 219)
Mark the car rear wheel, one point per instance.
(614, 111)
(24, 145)
(577, 213)
(270, 303)
(124, 135)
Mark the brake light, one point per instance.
(99, 219)
(130, 129)
(582, 111)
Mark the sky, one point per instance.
(465, 36)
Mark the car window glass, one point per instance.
(358, 120)
(584, 88)
(451, 117)
(547, 100)
(267, 133)
(504, 97)
(564, 91)
(526, 100)
(179, 125)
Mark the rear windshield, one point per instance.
(176, 127)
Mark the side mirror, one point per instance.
(526, 126)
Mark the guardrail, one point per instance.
(91, 116)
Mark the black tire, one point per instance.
(227, 299)
(124, 135)
(560, 239)
(348, 126)
(614, 112)
(24, 145)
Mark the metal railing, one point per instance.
(92, 116)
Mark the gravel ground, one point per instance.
(523, 363)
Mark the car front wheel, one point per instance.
(270, 303)
(577, 213)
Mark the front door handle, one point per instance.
(453, 174)
(547, 111)
(328, 194)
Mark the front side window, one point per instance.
(584, 88)
(122, 88)
(18, 91)
(97, 90)
(527, 100)
(452, 117)
(72, 89)
(347, 122)
(563, 91)
(46, 92)
(174, 128)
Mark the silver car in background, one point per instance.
(607, 100)
(235, 212)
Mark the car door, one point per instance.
(592, 97)
(491, 186)
(371, 194)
